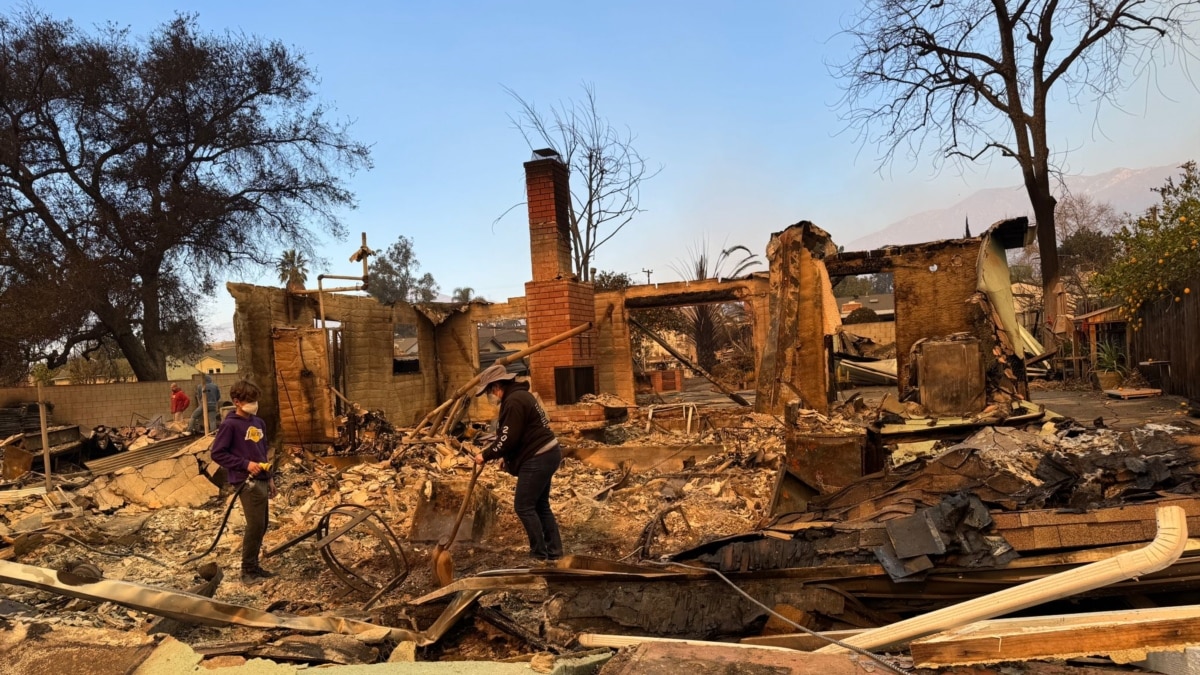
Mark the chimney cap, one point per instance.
(546, 153)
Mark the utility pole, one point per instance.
(648, 273)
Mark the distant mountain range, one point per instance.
(1128, 190)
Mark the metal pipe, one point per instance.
(45, 435)
(1159, 554)
(339, 289)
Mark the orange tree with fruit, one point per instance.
(1158, 252)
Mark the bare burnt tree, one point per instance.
(970, 78)
(134, 173)
(607, 171)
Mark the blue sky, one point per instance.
(734, 100)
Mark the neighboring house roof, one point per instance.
(487, 344)
(503, 335)
(224, 355)
(1103, 315)
(488, 358)
(883, 304)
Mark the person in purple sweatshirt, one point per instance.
(241, 447)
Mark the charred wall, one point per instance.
(933, 286)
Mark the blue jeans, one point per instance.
(531, 501)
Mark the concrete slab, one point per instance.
(1086, 406)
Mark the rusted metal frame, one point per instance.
(328, 538)
(354, 581)
(382, 531)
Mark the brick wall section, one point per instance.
(933, 303)
(548, 193)
(88, 405)
(882, 332)
(554, 307)
(579, 413)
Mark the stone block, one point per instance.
(584, 664)
(1186, 662)
(405, 652)
(171, 656)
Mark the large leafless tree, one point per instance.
(607, 171)
(970, 78)
(135, 172)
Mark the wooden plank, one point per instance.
(1132, 393)
(1123, 636)
(802, 642)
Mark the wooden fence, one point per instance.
(1171, 332)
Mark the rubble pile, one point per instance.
(642, 515)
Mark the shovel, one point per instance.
(441, 561)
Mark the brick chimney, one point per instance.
(555, 301)
(548, 191)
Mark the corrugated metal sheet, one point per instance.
(147, 455)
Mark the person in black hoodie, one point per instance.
(529, 451)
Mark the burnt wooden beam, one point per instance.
(859, 262)
(682, 299)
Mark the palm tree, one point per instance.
(464, 295)
(714, 326)
(292, 267)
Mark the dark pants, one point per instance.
(197, 423)
(254, 506)
(532, 504)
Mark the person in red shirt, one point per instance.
(179, 403)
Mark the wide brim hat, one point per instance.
(494, 373)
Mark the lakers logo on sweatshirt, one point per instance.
(254, 434)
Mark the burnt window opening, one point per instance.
(573, 383)
(865, 298)
(406, 349)
(501, 339)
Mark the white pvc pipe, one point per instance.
(1165, 549)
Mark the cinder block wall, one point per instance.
(89, 405)
(614, 369)
(367, 333)
(882, 332)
